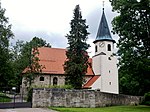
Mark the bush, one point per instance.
(146, 99)
(54, 86)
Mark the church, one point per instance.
(102, 72)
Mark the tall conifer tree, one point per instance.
(77, 58)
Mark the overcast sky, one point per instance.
(49, 19)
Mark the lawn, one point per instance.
(4, 98)
(106, 109)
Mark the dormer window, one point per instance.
(109, 47)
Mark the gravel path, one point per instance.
(27, 110)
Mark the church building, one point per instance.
(102, 72)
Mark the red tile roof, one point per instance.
(53, 60)
(91, 81)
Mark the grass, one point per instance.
(140, 108)
(4, 98)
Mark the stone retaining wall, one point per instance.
(44, 97)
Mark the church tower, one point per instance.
(104, 60)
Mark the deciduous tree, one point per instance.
(5, 35)
(133, 27)
(25, 55)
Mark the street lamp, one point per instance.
(14, 90)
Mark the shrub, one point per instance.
(146, 99)
(54, 86)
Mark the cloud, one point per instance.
(49, 19)
(55, 39)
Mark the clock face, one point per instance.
(101, 44)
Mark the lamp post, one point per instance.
(14, 91)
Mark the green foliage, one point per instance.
(5, 35)
(105, 109)
(13, 60)
(147, 96)
(25, 55)
(146, 99)
(39, 42)
(54, 86)
(17, 64)
(30, 60)
(133, 27)
(77, 58)
(34, 68)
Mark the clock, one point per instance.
(101, 44)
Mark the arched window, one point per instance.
(41, 78)
(109, 83)
(96, 48)
(55, 80)
(109, 47)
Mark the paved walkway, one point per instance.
(27, 110)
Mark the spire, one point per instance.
(103, 30)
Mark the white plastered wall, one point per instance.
(106, 67)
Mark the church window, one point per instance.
(109, 71)
(41, 78)
(96, 48)
(109, 83)
(109, 47)
(55, 81)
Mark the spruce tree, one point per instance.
(77, 58)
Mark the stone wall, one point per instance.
(44, 97)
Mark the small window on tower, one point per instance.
(109, 83)
(109, 47)
(96, 48)
(41, 78)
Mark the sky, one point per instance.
(50, 19)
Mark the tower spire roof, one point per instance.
(103, 30)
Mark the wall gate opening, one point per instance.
(13, 98)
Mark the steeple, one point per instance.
(103, 30)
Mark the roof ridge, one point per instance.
(53, 48)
